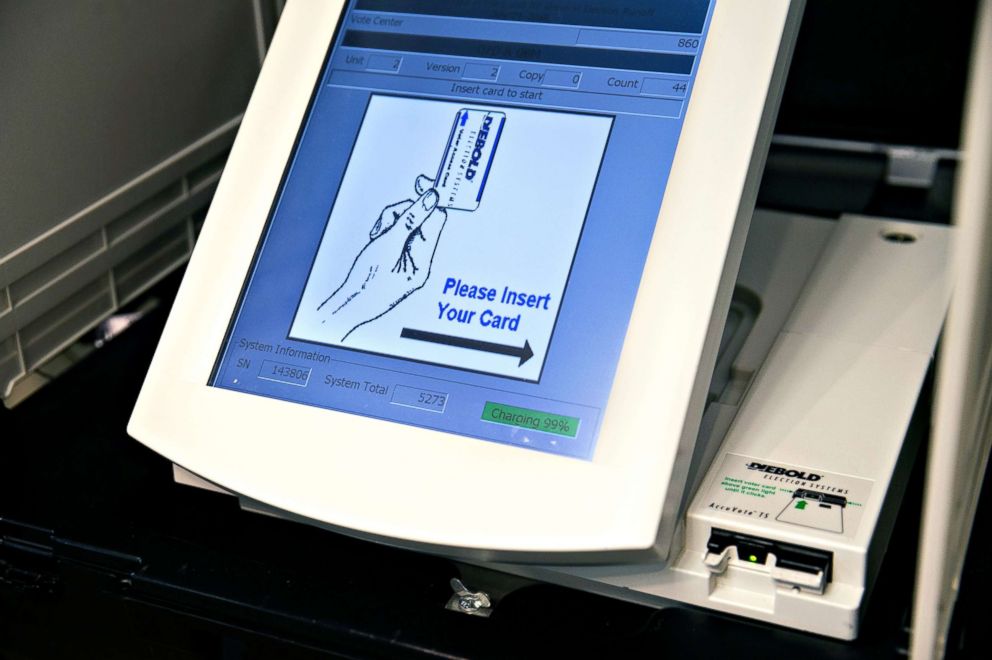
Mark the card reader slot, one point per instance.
(787, 563)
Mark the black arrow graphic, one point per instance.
(524, 352)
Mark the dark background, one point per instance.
(880, 71)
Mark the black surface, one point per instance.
(831, 182)
(124, 563)
(888, 71)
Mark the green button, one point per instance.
(524, 418)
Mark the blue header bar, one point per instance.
(683, 16)
(577, 56)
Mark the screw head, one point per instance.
(470, 603)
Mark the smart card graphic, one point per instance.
(468, 158)
(810, 508)
(452, 235)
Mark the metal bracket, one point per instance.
(907, 166)
(911, 167)
(473, 603)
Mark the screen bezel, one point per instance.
(407, 484)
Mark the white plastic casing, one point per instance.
(962, 418)
(404, 484)
(835, 395)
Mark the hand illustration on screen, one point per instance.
(395, 263)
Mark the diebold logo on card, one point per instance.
(468, 158)
(480, 145)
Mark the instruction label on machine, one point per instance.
(788, 495)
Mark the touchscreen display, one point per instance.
(461, 230)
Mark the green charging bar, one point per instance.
(536, 420)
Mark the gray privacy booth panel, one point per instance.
(115, 124)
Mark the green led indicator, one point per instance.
(753, 558)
